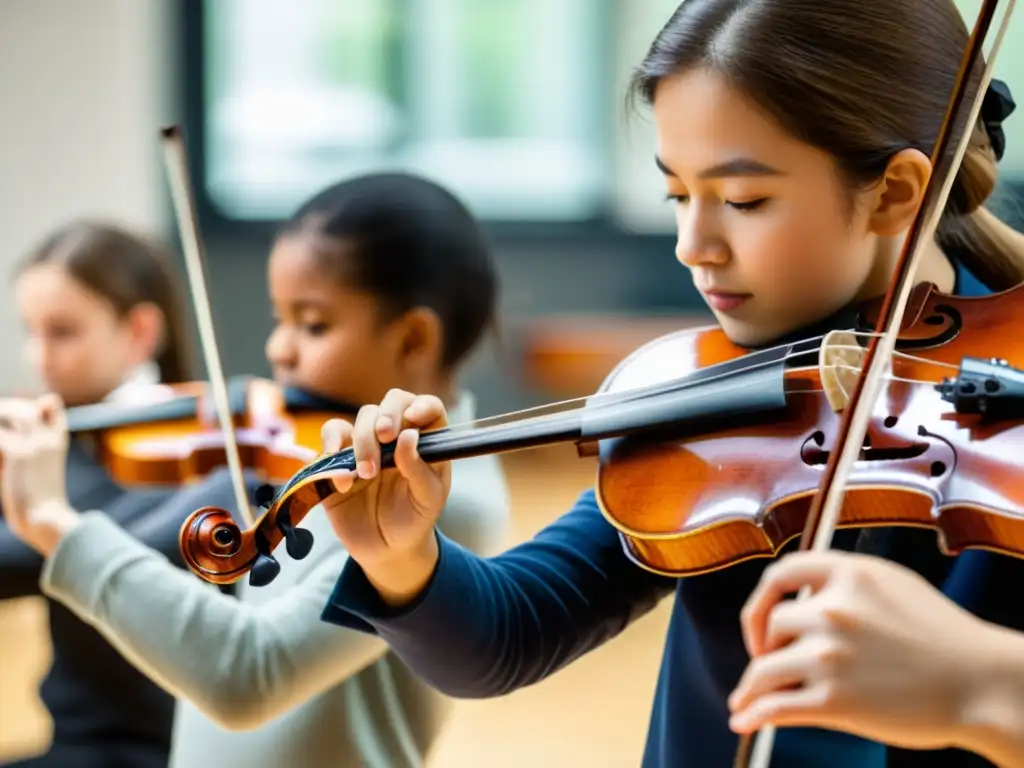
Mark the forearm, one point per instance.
(993, 716)
(241, 665)
(485, 627)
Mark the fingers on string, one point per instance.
(426, 412)
(787, 576)
(391, 416)
(335, 434)
(364, 442)
(424, 482)
(402, 410)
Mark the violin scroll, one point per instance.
(214, 547)
(217, 550)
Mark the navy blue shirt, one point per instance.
(485, 627)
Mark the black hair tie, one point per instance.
(997, 106)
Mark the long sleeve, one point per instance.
(20, 566)
(487, 626)
(152, 515)
(240, 664)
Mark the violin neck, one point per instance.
(89, 418)
(110, 415)
(700, 406)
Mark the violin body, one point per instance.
(700, 503)
(172, 437)
(273, 440)
(710, 454)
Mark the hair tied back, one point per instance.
(997, 106)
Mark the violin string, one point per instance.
(601, 399)
(764, 739)
(628, 395)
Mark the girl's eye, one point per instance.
(316, 329)
(677, 198)
(750, 205)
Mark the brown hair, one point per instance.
(859, 80)
(127, 271)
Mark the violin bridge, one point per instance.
(840, 361)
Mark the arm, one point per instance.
(241, 665)
(485, 627)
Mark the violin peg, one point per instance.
(298, 541)
(263, 496)
(263, 571)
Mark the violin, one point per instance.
(171, 441)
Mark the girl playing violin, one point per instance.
(261, 681)
(104, 323)
(794, 138)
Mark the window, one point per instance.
(502, 101)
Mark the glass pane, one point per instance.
(501, 101)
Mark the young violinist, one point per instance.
(261, 681)
(103, 320)
(794, 138)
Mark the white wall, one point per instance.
(84, 88)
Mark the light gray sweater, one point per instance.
(261, 681)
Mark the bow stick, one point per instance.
(188, 230)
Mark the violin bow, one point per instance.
(176, 160)
(827, 502)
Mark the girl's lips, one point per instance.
(725, 302)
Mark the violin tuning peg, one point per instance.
(298, 541)
(263, 571)
(263, 496)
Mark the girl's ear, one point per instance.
(900, 193)
(421, 341)
(146, 329)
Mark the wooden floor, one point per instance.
(593, 713)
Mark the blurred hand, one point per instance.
(34, 445)
(875, 651)
(386, 519)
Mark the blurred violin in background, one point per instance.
(174, 440)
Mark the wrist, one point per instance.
(401, 579)
(56, 519)
(991, 715)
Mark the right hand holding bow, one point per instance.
(386, 518)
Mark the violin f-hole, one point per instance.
(814, 454)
